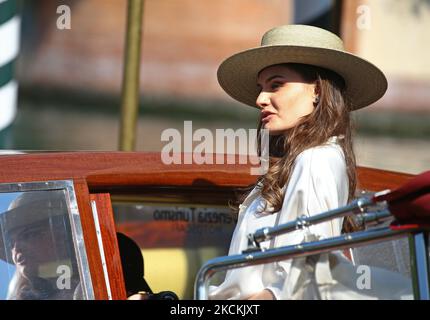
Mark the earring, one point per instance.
(317, 100)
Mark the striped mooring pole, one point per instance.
(9, 48)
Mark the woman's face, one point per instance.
(285, 97)
(30, 247)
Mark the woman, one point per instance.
(305, 85)
(28, 253)
(37, 242)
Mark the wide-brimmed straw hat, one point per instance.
(29, 209)
(237, 75)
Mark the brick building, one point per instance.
(185, 40)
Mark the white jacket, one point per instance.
(318, 183)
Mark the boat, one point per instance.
(179, 216)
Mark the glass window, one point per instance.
(376, 273)
(37, 255)
(175, 239)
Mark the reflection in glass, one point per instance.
(185, 233)
(37, 259)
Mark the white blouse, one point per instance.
(319, 182)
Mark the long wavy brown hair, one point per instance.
(330, 117)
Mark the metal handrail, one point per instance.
(288, 252)
(254, 254)
(357, 206)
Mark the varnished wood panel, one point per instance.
(90, 239)
(110, 245)
(377, 180)
(105, 171)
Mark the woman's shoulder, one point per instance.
(321, 166)
(321, 161)
(328, 151)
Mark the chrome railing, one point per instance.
(358, 206)
(254, 255)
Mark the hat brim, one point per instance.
(237, 75)
(23, 216)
